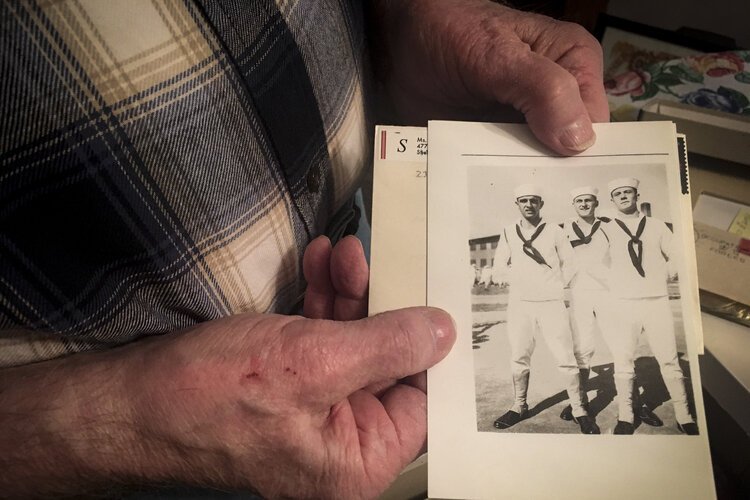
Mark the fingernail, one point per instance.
(443, 328)
(578, 136)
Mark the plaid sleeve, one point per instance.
(164, 163)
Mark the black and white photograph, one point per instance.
(573, 286)
(577, 321)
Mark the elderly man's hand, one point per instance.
(279, 404)
(284, 405)
(462, 59)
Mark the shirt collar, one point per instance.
(523, 224)
(636, 215)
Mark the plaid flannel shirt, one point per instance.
(166, 162)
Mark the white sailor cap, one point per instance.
(581, 190)
(622, 182)
(527, 190)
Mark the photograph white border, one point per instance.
(465, 463)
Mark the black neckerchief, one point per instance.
(635, 245)
(528, 247)
(582, 238)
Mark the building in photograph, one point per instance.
(482, 251)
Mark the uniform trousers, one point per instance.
(525, 319)
(626, 320)
(586, 309)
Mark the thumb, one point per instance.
(550, 71)
(347, 356)
(550, 98)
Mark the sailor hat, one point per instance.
(527, 190)
(581, 190)
(622, 182)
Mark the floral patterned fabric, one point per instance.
(719, 81)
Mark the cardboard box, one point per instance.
(719, 145)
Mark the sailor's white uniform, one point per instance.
(589, 292)
(536, 303)
(640, 303)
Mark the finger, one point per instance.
(339, 358)
(586, 65)
(392, 430)
(418, 381)
(350, 278)
(407, 408)
(575, 50)
(319, 295)
(570, 47)
(545, 69)
(549, 96)
(378, 388)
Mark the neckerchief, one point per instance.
(635, 245)
(528, 247)
(582, 238)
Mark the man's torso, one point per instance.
(529, 279)
(625, 281)
(166, 163)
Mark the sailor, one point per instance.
(588, 286)
(642, 261)
(539, 257)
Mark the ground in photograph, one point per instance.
(547, 397)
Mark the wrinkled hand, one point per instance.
(462, 59)
(284, 404)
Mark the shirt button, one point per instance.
(313, 179)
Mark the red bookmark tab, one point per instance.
(744, 246)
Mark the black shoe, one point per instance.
(690, 428)
(645, 415)
(510, 418)
(624, 428)
(587, 424)
(567, 414)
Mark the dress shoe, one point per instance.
(624, 428)
(690, 428)
(567, 413)
(587, 424)
(510, 418)
(645, 415)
